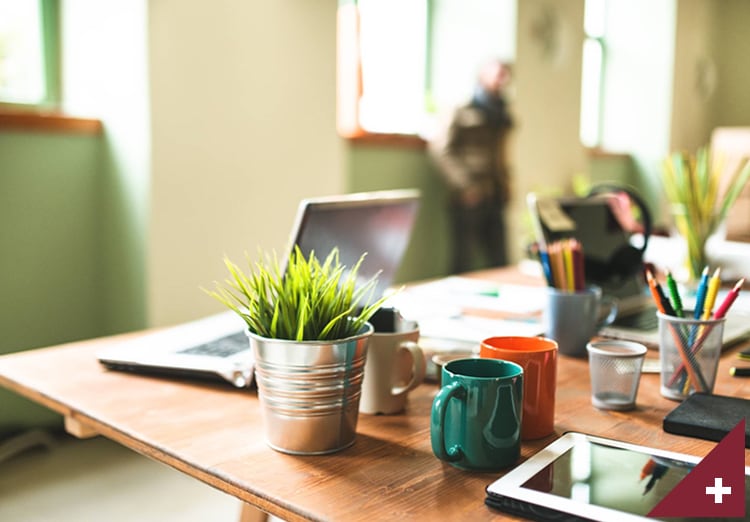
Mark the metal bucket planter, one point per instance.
(309, 391)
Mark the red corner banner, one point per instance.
(715, 487)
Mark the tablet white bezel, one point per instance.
(509, 485)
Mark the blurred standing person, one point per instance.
(470, 155)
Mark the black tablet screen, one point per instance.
(614, 478)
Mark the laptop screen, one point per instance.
(376, 223)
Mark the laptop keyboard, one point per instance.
(222, 347)
(641, 320)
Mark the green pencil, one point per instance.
(674, 294)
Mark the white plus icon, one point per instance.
(718, 490)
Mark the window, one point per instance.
(400, 61)
(628, 64)
(28, 43)
(592, 84)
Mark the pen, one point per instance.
(675, 294)
(739, 372)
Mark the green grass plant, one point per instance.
(310, 301)
(699, 199)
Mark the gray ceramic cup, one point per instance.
(395, 366)
(573, 318)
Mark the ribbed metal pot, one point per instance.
(309, 391)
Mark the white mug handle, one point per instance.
(417, 368)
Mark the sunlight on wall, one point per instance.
(105, 76)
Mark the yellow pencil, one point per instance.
(558, 265)
(711, 293)
(568, 259)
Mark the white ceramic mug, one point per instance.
(395, 365)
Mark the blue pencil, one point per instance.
(700, 296)
(544, 260)
(700, 299)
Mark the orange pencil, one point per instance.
(558, 265)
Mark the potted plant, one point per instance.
(700, 200)
(308, 328)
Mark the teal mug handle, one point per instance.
(437, 422)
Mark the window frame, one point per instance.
(49, 22)
(600, 42)
(47, 114)
(438, 90)
(349, 82)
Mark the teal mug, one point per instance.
(476, 416)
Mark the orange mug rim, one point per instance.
(540, 343)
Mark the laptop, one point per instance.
(612, 244)
(216, 347)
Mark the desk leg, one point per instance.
(252, 514)
(79, 429)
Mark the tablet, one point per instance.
(582, 477)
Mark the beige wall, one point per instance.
(733, 74)
(243, 97)
(693, 102)
(243, 127)
(547, 150)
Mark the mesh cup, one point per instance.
(615, 368)
(695, 341)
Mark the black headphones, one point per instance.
(626, 261)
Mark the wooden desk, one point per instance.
(215, 435)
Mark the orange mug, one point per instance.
(538, 358)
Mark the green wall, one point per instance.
(377, 167)
(49, 267)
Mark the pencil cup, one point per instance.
(615, 368)
(572, 318)
(689, 351)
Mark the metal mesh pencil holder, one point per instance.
(689, 351)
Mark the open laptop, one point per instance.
(612, 261)
(216, 348)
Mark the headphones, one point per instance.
(627, 260)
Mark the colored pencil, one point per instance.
(713, 291)
(720, 314)
(675, 295)
(687, 363)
